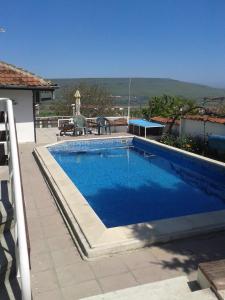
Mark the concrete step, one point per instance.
(163, 290)
(170, 289)
(205, 294)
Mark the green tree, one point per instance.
(95, 101)
(166, 106)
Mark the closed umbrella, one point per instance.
(77, 97)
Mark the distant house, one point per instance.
(200, 125)
(196, 125)
(24, 88)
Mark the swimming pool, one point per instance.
(122, 193)
(128, 181)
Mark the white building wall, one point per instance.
(196, 128)
(23, 112)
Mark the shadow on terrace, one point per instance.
(189, 252)
(182, 255)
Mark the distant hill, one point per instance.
(142, 88)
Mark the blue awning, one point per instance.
(146, 124)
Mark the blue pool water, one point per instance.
(131, 181)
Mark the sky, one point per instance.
(179, 39)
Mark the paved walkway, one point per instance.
(46, 135)
(58, 272)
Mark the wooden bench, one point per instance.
(212, 274)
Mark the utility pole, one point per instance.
(128, 110)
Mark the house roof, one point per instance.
(206, 119)
(191, 117)
(164, 120)
(17, 78)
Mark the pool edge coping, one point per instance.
(93, 237)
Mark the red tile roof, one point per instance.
(164, 120)
(13, 77)
(206, 119)
(191, 117)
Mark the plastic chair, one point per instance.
(104, 124)
(80, 125)
(76, 126)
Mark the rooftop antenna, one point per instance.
(128, 110)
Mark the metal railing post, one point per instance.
(15, 181)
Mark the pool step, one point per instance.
(170, 289)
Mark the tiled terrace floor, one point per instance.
(58, 272)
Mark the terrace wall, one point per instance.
(23, 112)
(118, 124)
(195, 128)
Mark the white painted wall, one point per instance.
(23, 112)
(196, 128)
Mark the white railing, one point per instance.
(17, 199)
(57, 121)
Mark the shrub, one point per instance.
(185, 143)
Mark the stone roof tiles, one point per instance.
(14, 77)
